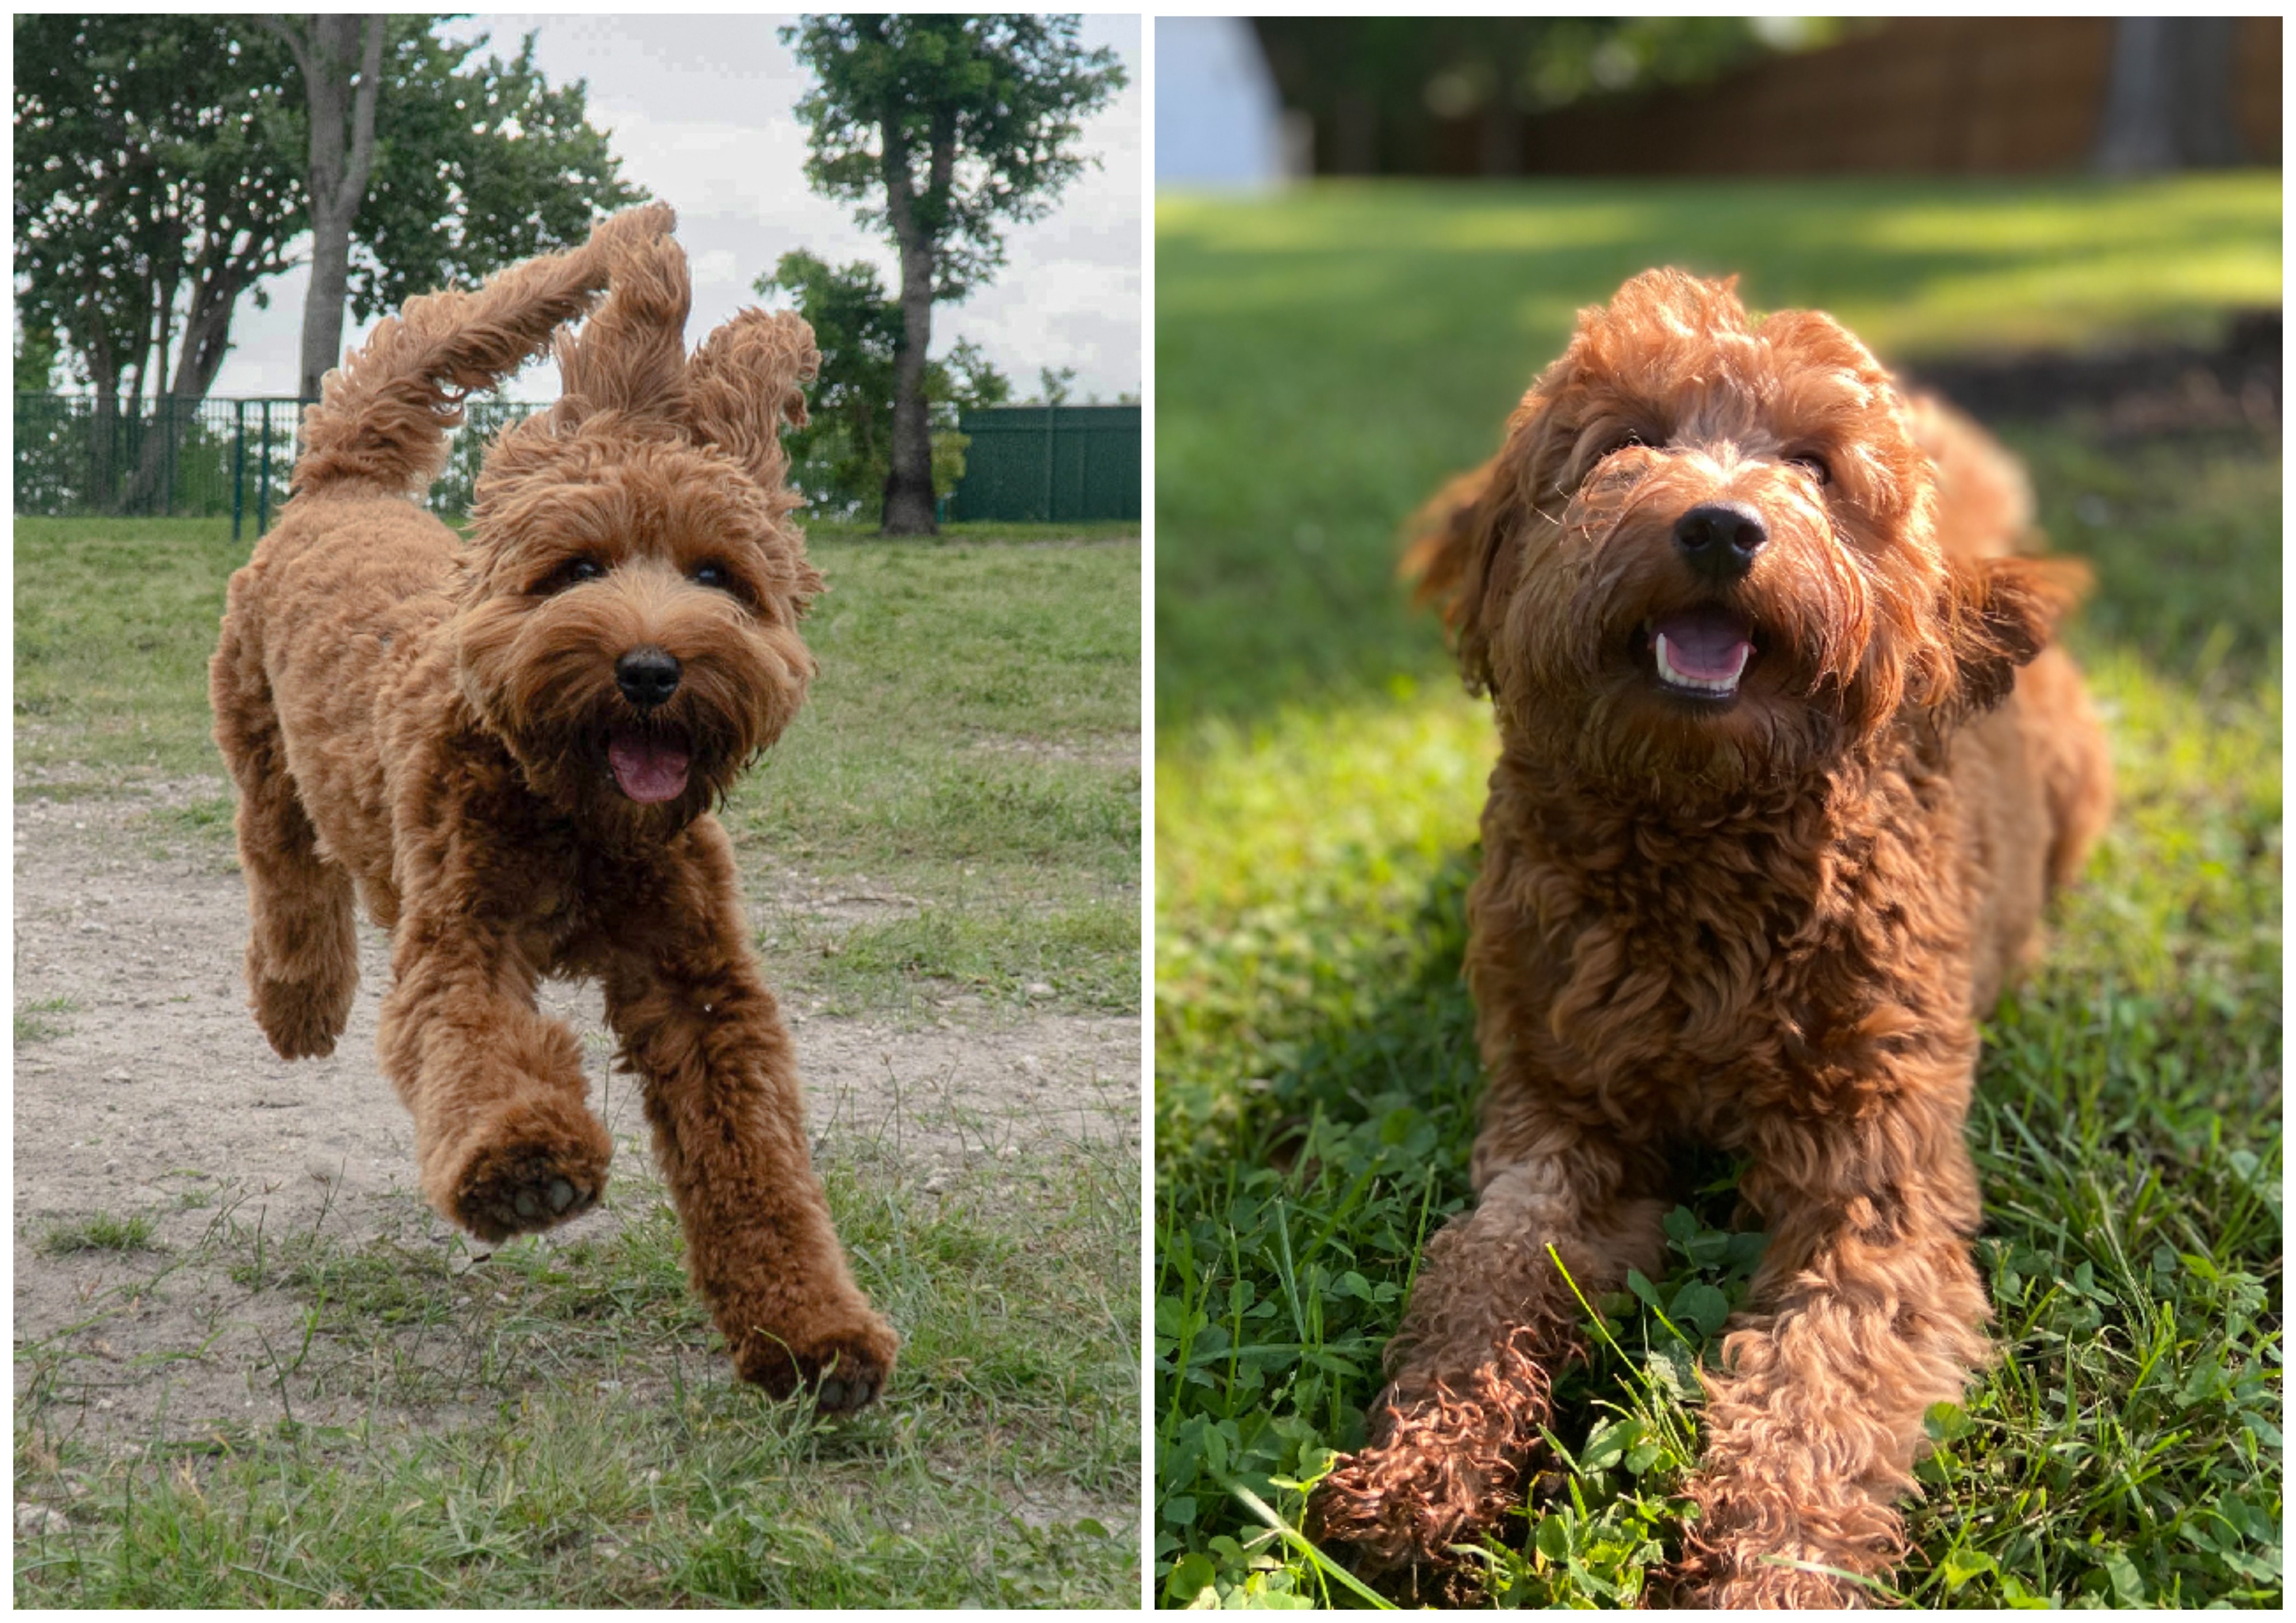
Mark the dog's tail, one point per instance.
(382, 416)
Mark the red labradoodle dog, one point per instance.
(507, 749)
(1775, 816)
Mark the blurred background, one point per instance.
(1372, 234)
(1982, 199)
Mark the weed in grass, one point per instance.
(102, 1232)
(36, 1021)
(115, 620)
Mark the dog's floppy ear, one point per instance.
(1455, 540)
(2001, 612)
(745, 384)
(1466, 541)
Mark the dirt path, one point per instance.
(144, 1088)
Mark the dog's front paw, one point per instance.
(1408, 1501)
(302, 1019)
(1445, 1464)
(1763, 1549)
(843, 1361)
(535, 1173)
(1754, 1579)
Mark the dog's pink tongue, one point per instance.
(648, 769)
(1706, 644)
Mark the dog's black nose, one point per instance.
(1718, 539)
(647, 677)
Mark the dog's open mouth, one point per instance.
(1702, 650)
(649, 766)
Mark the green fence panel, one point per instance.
(196, 458)
(1050, 464)
(209, 458)
(166, 456)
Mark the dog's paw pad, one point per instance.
(519, 1194)
(842, 1372)
(836, 1397)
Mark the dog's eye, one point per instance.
(1622, 442)
(1813, 464)
(713, 576)
(573, 572)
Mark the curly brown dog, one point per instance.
(1774, 818)
(507, 749)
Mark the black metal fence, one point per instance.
(208, 458)
(195, 458)
(1050, 464)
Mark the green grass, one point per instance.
(1324, 360)
(102, 1232)
(971, 744)
(36, 1021)
(608, 1462)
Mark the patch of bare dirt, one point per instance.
(145, 1086)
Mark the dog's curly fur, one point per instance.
(507, 747)
(1774, 818)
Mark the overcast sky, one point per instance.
(700, 111)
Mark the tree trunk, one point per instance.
(2169, 104)
(909, 485)
(206, 340)
(340, 163)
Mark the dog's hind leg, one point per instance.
(1491, 1319)
(702, 1031)
(302, 946)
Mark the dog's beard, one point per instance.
(620, 772)
(1616, 669)
(623, 771)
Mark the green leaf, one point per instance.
(1701, 1307)
(1959, 1566)
(1946, 1422)
(1191, 1576)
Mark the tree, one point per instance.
(481, 164)
(941, 128)
(844, 452)
(163, 169)
(36, 360)
(335, 183)
(2169, 103)
(150, 167)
